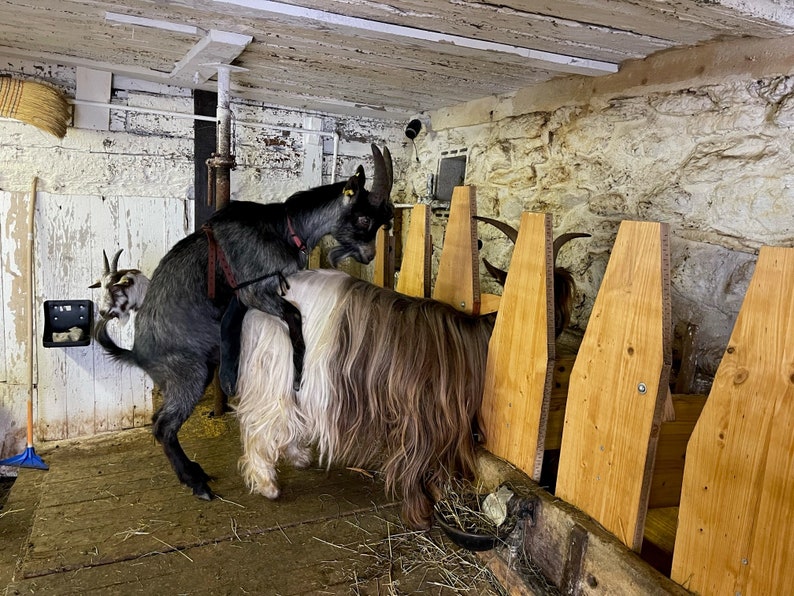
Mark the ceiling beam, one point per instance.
(539, 58)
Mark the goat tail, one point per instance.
(116, 352)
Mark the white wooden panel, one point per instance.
(5, 318)
(13, 420)
(108, 405)
(14, 233)
(65, 381)
(142, 231)
(80, 390)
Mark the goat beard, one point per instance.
(390, 381)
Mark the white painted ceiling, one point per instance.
(392, 60)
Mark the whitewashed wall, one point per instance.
(714, 160)
(130, 187)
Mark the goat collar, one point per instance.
(294, 236)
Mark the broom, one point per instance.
(28, 458)
(34, 103)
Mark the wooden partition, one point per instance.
(521, 353)
(619, 454)
(736, 520)
(458, 280)
(619, 385)
(383, 273)
(414, 279)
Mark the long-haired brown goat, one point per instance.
(389, 381)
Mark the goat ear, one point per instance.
(124, 282)
(96, 284)
(354, 183)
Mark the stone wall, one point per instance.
(712, 160)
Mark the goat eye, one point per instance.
(363, 222)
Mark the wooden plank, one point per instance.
(143, 230)
(659, 537)
(521, 352)
(5, 312)
(574, 553)
(63, 272)
(619, 385)
(559, 397)
(414, 279)
(736, 521)
(685, 337)
(668, 471)
(13, 279)
(383, 274)
(108, 404)
(457, 279)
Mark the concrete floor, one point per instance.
(109, 517)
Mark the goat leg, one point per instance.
(180, 396)
(292, 316)
(231, 327)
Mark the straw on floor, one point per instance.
(41, 105)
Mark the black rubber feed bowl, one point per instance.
(472, 540)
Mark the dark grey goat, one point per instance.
(178, 327)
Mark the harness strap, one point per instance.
(216, 253)
(294, 236)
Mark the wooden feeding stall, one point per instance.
(701, 488)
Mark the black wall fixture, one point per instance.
(411, 130)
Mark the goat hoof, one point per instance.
(204, 493)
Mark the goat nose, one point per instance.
(367, 253)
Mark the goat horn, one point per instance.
(506, 229)
(499, 275)
(115, 266)
(383, 178)
(561, 240)
(107, 265)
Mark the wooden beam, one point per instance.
(535, 58)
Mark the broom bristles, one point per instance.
(38, 104)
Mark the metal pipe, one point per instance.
(223, 161)
(125, 108)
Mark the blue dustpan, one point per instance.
(26, 459)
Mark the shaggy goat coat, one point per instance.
(389, 381)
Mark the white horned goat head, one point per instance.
(124, 289)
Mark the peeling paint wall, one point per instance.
(129, 187)
(714, 161)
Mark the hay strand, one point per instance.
(41, 105)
